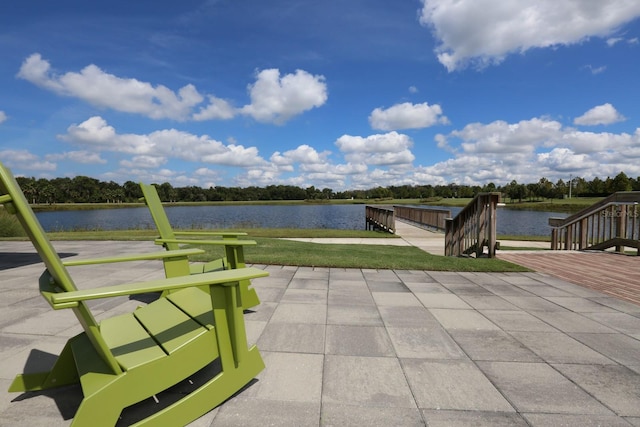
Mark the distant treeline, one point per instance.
(82, 189)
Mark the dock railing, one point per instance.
(474, 228)
(380, 218)
(614, 222)
(423, 217)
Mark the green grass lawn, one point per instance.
(273, 251)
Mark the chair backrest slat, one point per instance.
(153, 202)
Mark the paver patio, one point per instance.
(371, 347)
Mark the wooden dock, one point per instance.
(610, 273)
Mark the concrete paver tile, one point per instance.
(543, 290)
(307, 296)
(621, 348)
(424, 343)
(487, 302)
(356, 315)
(618, 304)
(418, 317)
(581, 305)
(452, 384)
(358, 341)
(366, 381)
(395, 299)
(533, 303)
(467, 289)
(546, 420)
(568, 322)
(615, 386)
(472, 419)
(559, 348)
(452, 319)
(442, 301)
(300, 313)
(350, 297)
(537, 387)
(260, 413)
(288, 377)
(291, 337)
(516, 321)
(322, 284)
(387, 286)
(621, 322)
(493, 345)
(334, 414)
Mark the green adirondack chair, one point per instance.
(126, 359)
(171, 240)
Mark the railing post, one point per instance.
(448, 238)
(493, 215)
(621, 226)
(481, 219)
(583, 229)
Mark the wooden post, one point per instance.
(493, 215)
(583, 229)
(621, 226)
(448, 238)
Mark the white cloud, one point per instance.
(604, 114)
(274, 99)
(407, 116)
(277, 99)
(484, 32)
(84, 157)
(23, 159)
(505, 138)
(3, 117)
(613, 41)
(144, 162)
(565, 160)
(304, 154)
(596, 70)
(159, 146)
(381, 149)
(218, 109)
(531, 149)
(105, 90)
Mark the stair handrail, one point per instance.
(474, 227)
(576, 231)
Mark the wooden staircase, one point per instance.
(613, 222)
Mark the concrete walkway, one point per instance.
(410, 235)
(354, 347)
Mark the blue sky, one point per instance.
(338, 94)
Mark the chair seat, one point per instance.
(156, 330)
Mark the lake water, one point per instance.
(347, 217)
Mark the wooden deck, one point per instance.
(613, 274)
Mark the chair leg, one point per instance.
(64, 372)
(248, 296)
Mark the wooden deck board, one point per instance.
(613, 274)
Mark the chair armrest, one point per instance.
(135, 257)
(227, 242)
(223, 278)
(224, 234)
